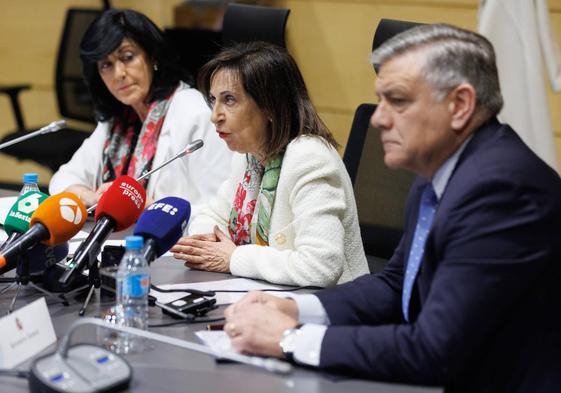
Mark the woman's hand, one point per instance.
(210, 251)
(87, 195)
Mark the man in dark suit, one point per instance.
(471, 298)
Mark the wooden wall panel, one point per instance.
(330, 39)
(30, 33)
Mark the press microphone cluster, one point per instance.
(88, 368)
(119, 207)
(52, 127)
(55, 221)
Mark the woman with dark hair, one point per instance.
(146, 114)
(287, 213)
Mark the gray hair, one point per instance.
(454, 56)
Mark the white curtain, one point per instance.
(520, 33)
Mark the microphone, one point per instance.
(118, 208)
(17, 220)
(190, 148)
(162, 224)
(89, 368)
(52, 127)
(55, 221)
(41, 257)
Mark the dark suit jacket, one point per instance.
(486, 305)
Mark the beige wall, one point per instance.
(30, 31)
(330, 39)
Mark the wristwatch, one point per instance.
(288, 342)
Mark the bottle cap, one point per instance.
(134, 242)
(30, 177)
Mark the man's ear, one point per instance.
(462, 100)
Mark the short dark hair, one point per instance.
(105, 34)
(271, 77)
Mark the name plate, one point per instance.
(25, 333)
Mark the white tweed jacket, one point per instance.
(314, 237)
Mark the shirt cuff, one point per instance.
(310, 309)
(307, 344)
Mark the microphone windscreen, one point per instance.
(19, 216)
(42, 256)
(123, 201)
(63, 215)
(164, 221)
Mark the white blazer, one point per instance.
(314, 236)
(195, 177)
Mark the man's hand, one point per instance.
(284, 305)
(257, 328)
(210, 251)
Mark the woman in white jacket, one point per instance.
(287, 213)
(147, 115)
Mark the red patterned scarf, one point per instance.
(131, 146)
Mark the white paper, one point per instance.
(25, 333)
(217, 340)
(221, 298)
(6, 204)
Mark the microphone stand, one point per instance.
(25, 279)
(52, 127)
(94, 281)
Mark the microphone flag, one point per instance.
(19, 216)
(163, 222)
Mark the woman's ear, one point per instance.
(462, 102)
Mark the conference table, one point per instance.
(165, 368)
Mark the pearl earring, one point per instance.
(155, 67)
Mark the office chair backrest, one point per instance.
(380, 192)
(244, 23)
(72, 94)
(387, 28)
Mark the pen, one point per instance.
(215, 326)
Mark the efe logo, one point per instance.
(70, 211)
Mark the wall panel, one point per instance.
(330, 39)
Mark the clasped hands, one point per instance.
(211, 251)
(256, 323)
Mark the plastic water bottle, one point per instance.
(29, 183)
(133, 285)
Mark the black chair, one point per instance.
(380, 192)
(195, 46)
(244, 23)
(73, 99)
(387, 28)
